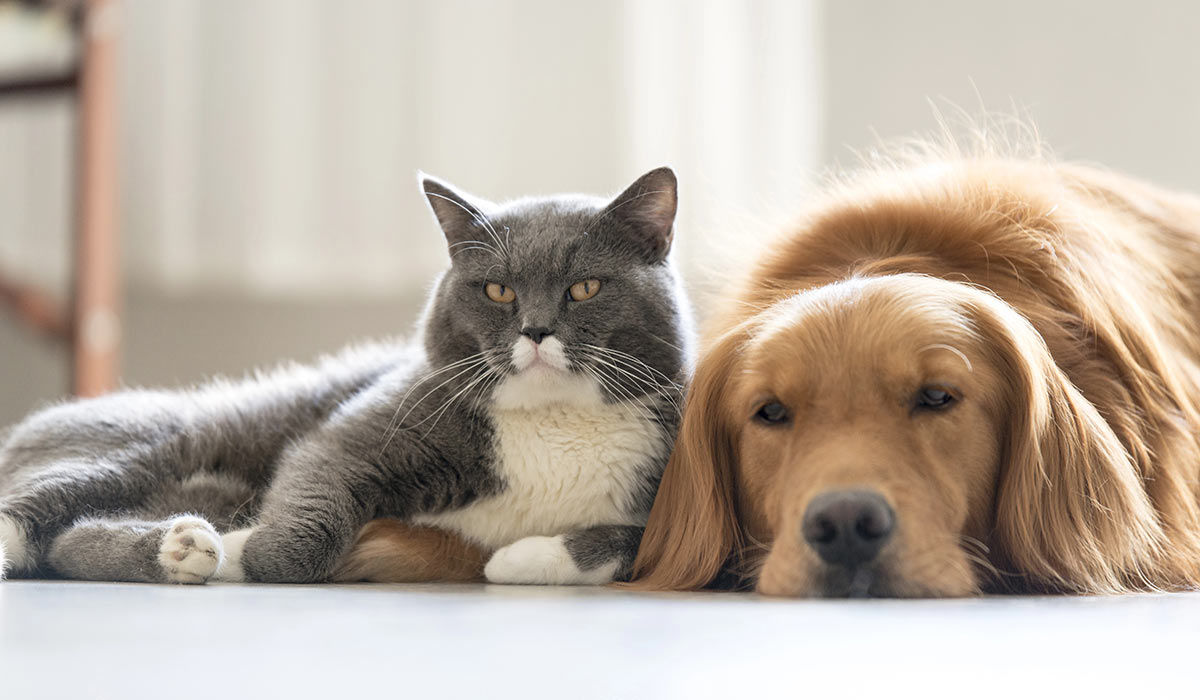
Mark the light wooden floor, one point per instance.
(93, 640)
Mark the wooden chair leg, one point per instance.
(96, 326)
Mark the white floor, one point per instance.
(93, 640)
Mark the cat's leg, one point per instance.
(329, 485)
(182, 549)
(591, 556)
(308, 521)
(234, 544)
(46, 500)
(15, 555)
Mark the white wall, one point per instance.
(1111, 81)
(270, 150)
(270, 145)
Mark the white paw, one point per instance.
(191, 550)
(14, 554)
(542, 560)
(233, 543)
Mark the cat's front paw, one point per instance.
(190, 551)
(542, 560)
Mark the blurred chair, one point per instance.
(89, 319)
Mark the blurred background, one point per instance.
(198, 186)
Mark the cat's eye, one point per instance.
(772, 412)
(499, 293)
(582, 291)
(934, 398)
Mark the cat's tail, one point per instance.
(3, 561)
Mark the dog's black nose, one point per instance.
(537, 333)
(848, 528)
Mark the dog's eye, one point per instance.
(773, 412)
(934, 398)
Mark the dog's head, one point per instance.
(898, 435)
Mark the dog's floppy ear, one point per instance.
(693, 525)
(1071, 511)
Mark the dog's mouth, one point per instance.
(864, 581)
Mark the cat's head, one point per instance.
(567, 298)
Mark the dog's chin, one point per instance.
(823, 581)
(876, 580)
(858, 582)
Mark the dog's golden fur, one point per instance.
(391, 551)
(1059, 304)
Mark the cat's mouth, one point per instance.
(544, 357)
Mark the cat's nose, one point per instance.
(536, 333)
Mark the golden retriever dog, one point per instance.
(962, 375)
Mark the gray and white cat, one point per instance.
(533, 415)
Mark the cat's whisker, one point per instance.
(421, 380)
(497, 377)
(473, 241)
(633, 357)
(479, 373)
(471, 359)
(645, 382)
(666, 393)
(614, 386)
(639, 375)
(484, 389)
(437, 415)
(465, 365)
(638, 411)
(669, 344)
(642, 377)
(621, 377)
(640, 368)
(474, 245)
(635, 360)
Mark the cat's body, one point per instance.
(536, 423)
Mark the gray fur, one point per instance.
(597, 546)
(109, 550)
(308, 454)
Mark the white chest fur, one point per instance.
(564, 467)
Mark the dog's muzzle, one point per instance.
(848, 528)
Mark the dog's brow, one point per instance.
(942, 346)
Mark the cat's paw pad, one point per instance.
(541, 560)
(191, 550)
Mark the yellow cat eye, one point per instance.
(584, 290)
(499, 293)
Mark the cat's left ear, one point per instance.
(461, 217)
(647, 208)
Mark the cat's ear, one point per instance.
(647, 208)
(461, 217)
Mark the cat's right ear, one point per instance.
(648, 208)
(461, 218)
